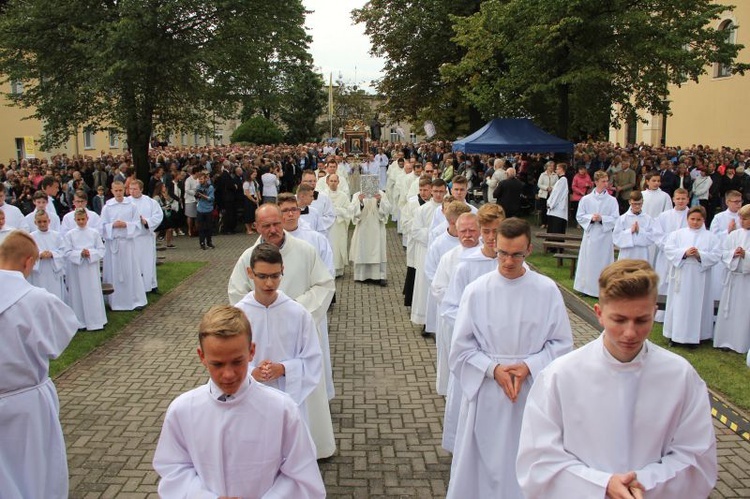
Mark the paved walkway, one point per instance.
(387, 417)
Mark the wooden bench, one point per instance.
(558, 237)
(661, 304)
(568, 256)
(572, 246)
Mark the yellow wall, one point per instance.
(710, 111)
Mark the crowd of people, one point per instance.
(678, 211)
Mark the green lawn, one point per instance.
(170, 274)
(725, 372)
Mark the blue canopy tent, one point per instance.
(504, 135)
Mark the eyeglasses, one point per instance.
(265, 277)
(502, 255)
(290, 210)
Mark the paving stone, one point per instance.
(387, 416)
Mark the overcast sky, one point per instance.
(338, 45)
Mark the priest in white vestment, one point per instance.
(306, 279)
(287, 349)
(321, 202)
(84, 250)
(234, 436)
(733, 320)
(120, 222)
(502, 340)
(619, 413)
(407, 223)
(635, 232)
(151, 216)
(420, 231)
(369, 247)
(691, 252)
(467, 229)
(597, 214)
(332, 169)
(36, 327)
(339, 233)
(49, 270)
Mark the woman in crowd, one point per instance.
(251, 199)
(169, 206)
(545, 183)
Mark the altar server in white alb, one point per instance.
(369, 247)
(691, 252)
(339, 233)
(120, 222)
(14, 219)
(321, 202)
(4, 229)
(620, 417)
(723, 224)
(151, 216)
(36, 327)
(49, 271)
(669, 221)
(41, 203)
(635, 232)
(287, 349)
(597, 214)
(733, 320)
(234, 436)
(80, 201)
(84, 250)
(511, 324)
(298, 228)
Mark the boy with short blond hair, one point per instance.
(216, 442)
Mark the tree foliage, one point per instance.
(566, 63)
(258, 130)
(144, 66)
(415, 38)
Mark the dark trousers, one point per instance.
(205, 229)
(411, 274)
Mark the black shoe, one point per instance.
(211, 245)
(155, 291)
(203, 246)
(383, 282)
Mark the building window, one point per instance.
(16, 88)
(183, 138)
(412, 137)
(195, 138)
(730, 30)
(394, 135)
(88, 139)
(114, 139)
(20, 148)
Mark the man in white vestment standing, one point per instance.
(151, 216)
(368, 251)
(406, 219)
(36, 327)
(120, 223)
(339, 233)
(295, 226)
(234, 436)
(511, 324)
(620, 417)
(321, 202)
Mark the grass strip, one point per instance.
(725, 372)
(170, 274)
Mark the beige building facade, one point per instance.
(711, 111)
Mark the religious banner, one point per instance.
(355, 137)
(370, 185)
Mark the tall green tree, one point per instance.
(569, 63)
(143, 66)
(415, 37)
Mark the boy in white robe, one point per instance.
(723, 224)
(635, 232)
(4, 229)
(49, 270)
(234, 436)
(420, 232)
(597, 214)
(339, 233)
(619, 417)
(41, 203)
(321, 202)
(151, 215)
(14, 219)
(297, 227)
(310, 215)
(406, 218)
(669, 221)
(80, 200)
(36, 327)
(287, 349)
(502, 340)
(467, 229)
(120, 221)
(369, 247)
(472, 264)
(733, 320)
(655, 200)
(440, 246)
(84, 250)
(691, 252)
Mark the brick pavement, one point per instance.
(387, 418)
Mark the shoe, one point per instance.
(211, 245)
(383, 283)
(171, 246)
(203, 246)
(161, 238)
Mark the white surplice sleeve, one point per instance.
(303, 371)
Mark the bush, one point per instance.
(258, 130)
